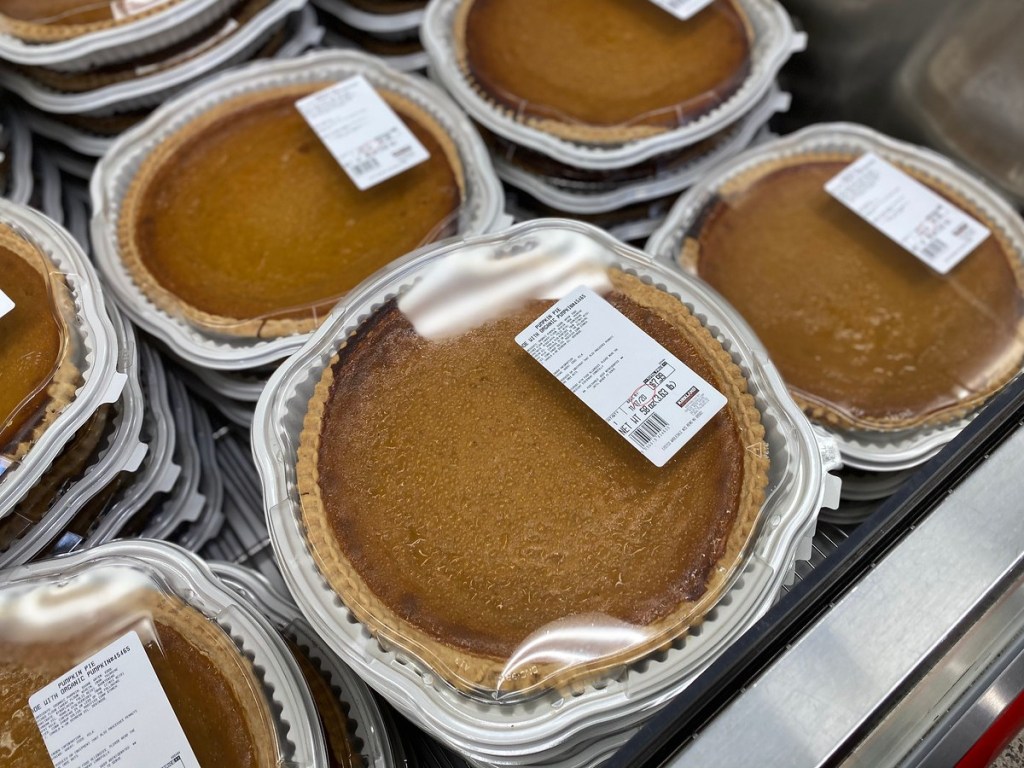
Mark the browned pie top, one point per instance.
(32, 340)
(862, 331)
(478, 499)
(244, 215)
(605, 63)
(210, 685)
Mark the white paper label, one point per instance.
(362, 132)
(683, 9)
(6, 305)
(908, 212)
(647, 394)
(110, 711)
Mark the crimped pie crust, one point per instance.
(31, 32)
(65, 377)
(468, 670)
(689, 260)
(207, 638)
(132, 209)
(579, 132)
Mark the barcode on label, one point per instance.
(934, 248)
(366, 166)
(648, 430)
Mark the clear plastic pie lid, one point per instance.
(586, 191)
(104, 33)
(879, 345)
(526, 72)
(58, 343)
(528, 550)
(150, 81)
(16, 182)
(453, 192)
(360, 733)
(134, 646)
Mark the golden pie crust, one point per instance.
(558, 87)
(35, 32)
(931, 352)
(42, 344)
(212, 687)
(136, 212)
(444, 617)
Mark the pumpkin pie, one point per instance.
(244, 224)
(38, 376)
(69, 465)
(864, 333)
(182, 51)
(209, 683)
(602, 71)
(459, 499)
(47, 21)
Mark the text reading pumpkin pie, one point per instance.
(210, 685)
(461, 500)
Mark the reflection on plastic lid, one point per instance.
(475, 285)
(58, 609)
(572, 641)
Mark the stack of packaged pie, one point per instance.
(243, 539)
(388, 29)
(137, 650)
(529, 485)
(225, 227)
(162, 491)
(72, 407)
(886, 283)
(16, 180)
(604, 110)
(354, 726)
(89, 70)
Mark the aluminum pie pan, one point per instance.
(550, 193)
(288, 699)
(306, 34)
(482, 208)
(19, 188)
(124, 42)
(97, 361)
(381, 23)
(155, 88)
(124, 452)
(548, 724)
(774, 40)
(366, 714)
(158, 473)
(872, 451)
